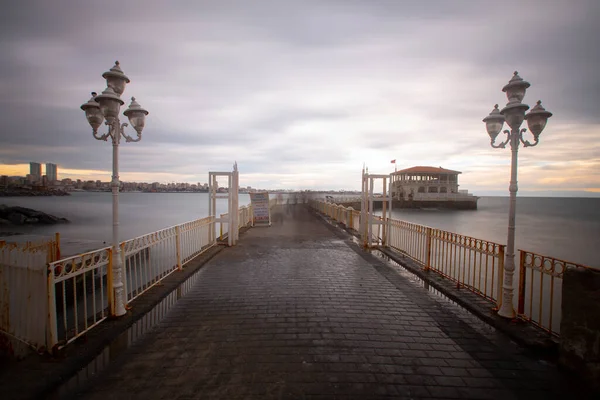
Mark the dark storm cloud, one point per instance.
(286, 84)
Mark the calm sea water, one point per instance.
(90, 214)
(566, 228)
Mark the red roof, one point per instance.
(427, 170)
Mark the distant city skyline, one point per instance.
(525, 193)
(301, 94)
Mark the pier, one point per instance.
(295, 310)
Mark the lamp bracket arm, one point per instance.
(100, 137)
(503, 144)
(527, 143)
(127, 137)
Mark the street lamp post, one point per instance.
(107, 107)
(514, 114)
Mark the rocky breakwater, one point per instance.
(26, 216)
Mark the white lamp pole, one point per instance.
(514, 114)
(97, 109)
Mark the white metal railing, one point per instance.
(342, 199)
(444, 196)
(245, 216)
(194, 239)
(79, 292)
(244, 219)
(223, 227)
(148, 259)
(78, 295)
(23, 294)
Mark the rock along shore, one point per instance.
(27, 216)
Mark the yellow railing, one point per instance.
(471, 263)
(540, 289)
(474, 264)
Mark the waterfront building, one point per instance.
(35, 170)
(51, 172)
(431, 186)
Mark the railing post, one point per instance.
(500, 276)
(178, 246)
(522, 279)
(350, 218)
(57, 239)
(428, 242)
(124, 274)
(52, 330)
(221, 228)
(110, 295)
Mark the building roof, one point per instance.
(426, 170)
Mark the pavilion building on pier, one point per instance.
(424, 186)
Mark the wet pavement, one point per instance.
(298, 311)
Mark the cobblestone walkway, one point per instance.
(294, 312)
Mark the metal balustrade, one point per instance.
(149, 259)
(540, 289)
(79, 292)
(474, 264)
(74, 294)
(78, 295)
(23, 296)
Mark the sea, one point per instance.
(564, 228)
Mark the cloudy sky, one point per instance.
(302, 93)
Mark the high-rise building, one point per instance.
(51, 172)
(35, 170)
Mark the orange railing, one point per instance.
(540, 289)
(474, 264)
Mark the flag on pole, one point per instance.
(393, 161)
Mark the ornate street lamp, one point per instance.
(105, 108)
(514, 114)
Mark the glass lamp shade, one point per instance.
(136, 115)
(116, 79)
(93, 113)
(110, 103)
(494, 122)
(515, 88)
(537, 118)
(514, 113)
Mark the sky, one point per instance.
(301, 94)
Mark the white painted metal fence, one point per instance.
(79, 287)
(23, 295)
